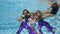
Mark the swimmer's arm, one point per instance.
(19, 19)
(49, 2)
(44, 16)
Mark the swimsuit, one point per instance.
(42, 23)
(24, 25)
(54, 10)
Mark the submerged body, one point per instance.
(55, 8)
(46, 24)
(24, 25)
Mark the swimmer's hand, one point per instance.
(22, 17)
(19, 20)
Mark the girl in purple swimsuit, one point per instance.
(24, 19)
(42, 23)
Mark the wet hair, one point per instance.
(31, 13)
(55, 4)
(39, 13)
(25, 10)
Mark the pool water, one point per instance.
(10, 10)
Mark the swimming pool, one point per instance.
(10, 10)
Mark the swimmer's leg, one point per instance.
(31, 31)
(20, 28)
(28, 28)
(48, 15)
(50, 28)
(39, 29)
(36, 31)
(48, 12)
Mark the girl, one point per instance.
(31, 21)
(55, 8)
(24, 19)
(42, 23)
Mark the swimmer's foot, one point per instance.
(53, 30)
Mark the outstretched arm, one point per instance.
(53, 2)
(19, 19)
(49, 1)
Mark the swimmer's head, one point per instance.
(31, 15)
(25, 12)
(38, 13)
(55, 4)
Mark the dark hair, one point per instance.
(39, 12)
(31, 13)
(25, 10)
(55, 4)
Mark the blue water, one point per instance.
(10, 10)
